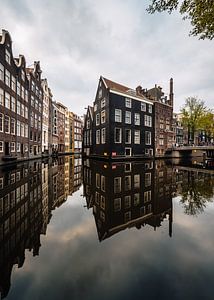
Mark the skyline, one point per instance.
(77, 42)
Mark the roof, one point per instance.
(117, 87)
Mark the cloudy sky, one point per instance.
(77, 41)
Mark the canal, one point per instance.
(73, 229)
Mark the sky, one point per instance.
(77, 41)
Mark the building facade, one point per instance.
(77, 129)
(47, 102)
(122, 124)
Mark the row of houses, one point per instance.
(32, 124)
(125, 122)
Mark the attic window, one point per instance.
(23, 75)
(100, 93)
(7, 56)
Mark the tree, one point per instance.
(192, 111)
(206, 124)
(199, 12)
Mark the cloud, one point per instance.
(77, 41)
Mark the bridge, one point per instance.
(192, 151)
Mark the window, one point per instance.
(137, 136)
(18, 88)
(1, 97)
(97, 119)
(13, 104)
(161, 142)
(102, 202)
(128, 136)
(26, 112)
(127, 216)
(148, 178)
(100, 93)
(143, 106)
(95, 107)
(117, 135)
(148, 121)
(103, 102)
(103, 136)
(12, 147)
(1, 122)
(7, 100)
(103, 183)
(136, 199)
(117, 185)
(22, 130)
(1, 146)
(148, 139)
(7, 78)
(18, 147)
(12, 126)
(136, 180)
(103, 116)
(127, 183)
(22, 110)
(18, 128)
(23, 75)
(98, 180)
(149, 108)
(118, 115)
(128, 151)
(1, 72)
(6, 124)
(127, 202)
(117, 204)
(13, 83)
(98, 137)
(26, 130)
(128, 118)
(128, 102)
(7, 56)
(137, 119)
(147, 196)
(18, 107)
(88, 124)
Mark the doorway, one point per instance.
(7, 148)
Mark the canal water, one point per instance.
(73, 229)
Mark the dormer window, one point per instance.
(7, 56)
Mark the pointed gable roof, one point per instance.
(115, 86)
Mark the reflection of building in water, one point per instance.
(124, 195)
(77, 173)
(28, 194)
(20, 218)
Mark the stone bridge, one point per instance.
(192, 151)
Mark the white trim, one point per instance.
(103, 80)
(130, 96)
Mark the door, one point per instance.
(7, 148)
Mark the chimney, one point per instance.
(138, 90)
(171, 95)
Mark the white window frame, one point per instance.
(118, 115)
(137, 137)
(130, 136)
(103, 135)
(128, 102)
(143, 106)
(150, 138)
(1, 97)
(2, 122)
(97, 119)
(12, 146)
(98, 137)
(137, 119)
(103, 116)
(120, 135)
(128, 117)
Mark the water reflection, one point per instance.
(28, 195)
(121, 195)
(124, 195)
